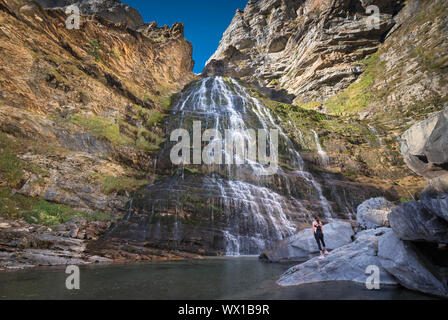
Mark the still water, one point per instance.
(216, 279)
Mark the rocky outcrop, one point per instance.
(85, 114)
(153, 31)
(302, 246)
(374, 213)
(412, 221)
(437, 204)
(413, 252)
(24, 245)
(112, 10)
(412, 270)
(348, 263)
(424, 147)
(310, 48)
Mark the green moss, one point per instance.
(192, 170)
(111, 184)
(101, 128)
(359, 94)
(148, 141)
(39, 211)
(11, 167)
(312, 105)
(94, 49)
(57, 75)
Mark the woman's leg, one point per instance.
(317, 237)
(323, 242)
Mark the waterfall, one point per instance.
(328, 212)
(234, 209)
(324, 159)
(376, 134)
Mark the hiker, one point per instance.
(319, 236)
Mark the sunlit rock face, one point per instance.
(310, 49)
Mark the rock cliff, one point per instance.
(311, 49)
(80, 110)
(326, 55)
(112, 10)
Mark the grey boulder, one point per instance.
(373, 213)
(303, 246)
(413, 222)
(348, 263)
(437, 204)
(411, 269)
(424, 148)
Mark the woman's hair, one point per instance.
(317, 218)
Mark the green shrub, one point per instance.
(94, 49)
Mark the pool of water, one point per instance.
(216, 279)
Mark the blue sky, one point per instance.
(204, 20)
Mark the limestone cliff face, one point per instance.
(322, 56)
(309, 51)
(112, 10)
(308, 48)
(84, 107)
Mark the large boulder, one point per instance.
(411, 269)
(437, 204)
(348, 263)
(424, 147)
(302, 246)
(413, 222)
(336, 234)
(373, 213)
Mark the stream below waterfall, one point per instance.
(212, 279)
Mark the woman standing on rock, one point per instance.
(319, 236)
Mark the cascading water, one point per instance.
(324, 159)
(233, 209)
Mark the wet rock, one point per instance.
(412, 221)
(348, 263)
(302, 246)
(411, 269)
(374, 213)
